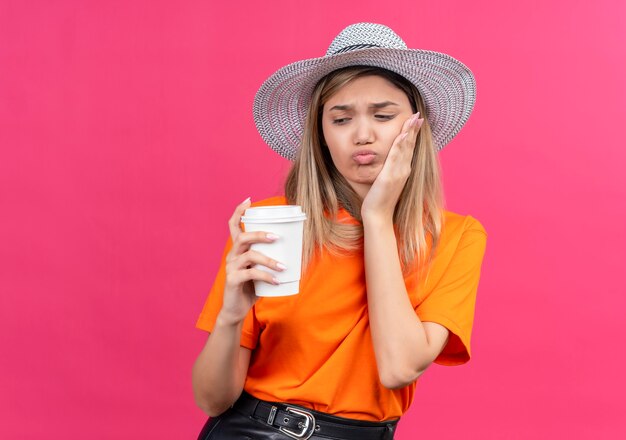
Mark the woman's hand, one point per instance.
(239, 296)
(384, 193)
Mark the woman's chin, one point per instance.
(366, 178)
(362, 184)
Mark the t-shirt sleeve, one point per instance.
(452, 301)
(213, 305)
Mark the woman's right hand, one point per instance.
(239, 296)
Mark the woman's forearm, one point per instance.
(399, 339)
(219, 371)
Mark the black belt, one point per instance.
(301, 423)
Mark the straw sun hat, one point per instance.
(446, 85)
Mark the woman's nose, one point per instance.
(364, 133)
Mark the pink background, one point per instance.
(126, 140)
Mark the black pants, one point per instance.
(233, 425)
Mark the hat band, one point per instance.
(354, 47)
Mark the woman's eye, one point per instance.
(341, 121)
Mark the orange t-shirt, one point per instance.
(315, 349)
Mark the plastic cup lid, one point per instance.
(273, 214)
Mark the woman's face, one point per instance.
(360, 123)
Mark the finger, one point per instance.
(407, 128)
(413, 124)
(235, 219)
(253, 274)
(410, 122)
(416, 123)
(245, 239)
(252, 257)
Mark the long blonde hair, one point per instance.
(315, 183)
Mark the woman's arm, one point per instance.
(403, 345)
(220, 370)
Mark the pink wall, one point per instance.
(126, 139)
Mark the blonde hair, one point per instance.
(315, 183)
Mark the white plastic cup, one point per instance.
(286, 221)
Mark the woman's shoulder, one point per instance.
(270, 201)
(453, 221)
(463, 238)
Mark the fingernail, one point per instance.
(404, 135)
(281, 266)
(414, 120)
(272, 236)
(245, 201)
(275, 281)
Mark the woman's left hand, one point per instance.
(384, 193)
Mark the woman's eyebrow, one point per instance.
(373, 105)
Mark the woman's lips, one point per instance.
(365, 157)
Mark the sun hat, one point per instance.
(447, 86)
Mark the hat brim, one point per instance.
(447, 86)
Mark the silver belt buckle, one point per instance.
(308, 426)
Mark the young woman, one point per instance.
(389, 276)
